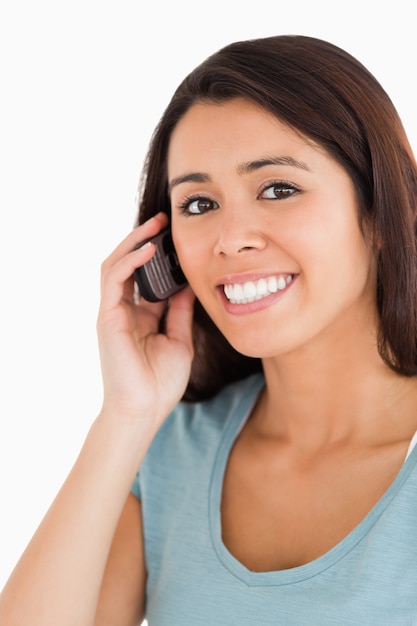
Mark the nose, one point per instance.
(237, 234)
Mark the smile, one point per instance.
(243, 293)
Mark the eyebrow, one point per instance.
(243, 168)
(193, 177)
(252, 166)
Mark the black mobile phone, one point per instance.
(161, 276)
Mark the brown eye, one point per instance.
(197, 206)
(278, 191)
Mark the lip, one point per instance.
(256, 305)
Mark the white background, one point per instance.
(83, 83)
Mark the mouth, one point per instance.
(252, 290)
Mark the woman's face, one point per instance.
(265, 225)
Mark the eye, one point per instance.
(278, 191)
(197, 205)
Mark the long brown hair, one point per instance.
(326, 94)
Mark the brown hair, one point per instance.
(323, 92)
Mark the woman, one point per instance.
(283, 489)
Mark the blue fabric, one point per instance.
(369, 578)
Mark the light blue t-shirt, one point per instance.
(369, 578)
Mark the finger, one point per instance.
(180, 317)
(149, 229)
(116, 280)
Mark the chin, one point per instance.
(255, 349)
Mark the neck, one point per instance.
(347, 393)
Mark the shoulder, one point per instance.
(198, 420)
(189, 438)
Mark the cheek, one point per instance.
(190, 255)
(326, 230)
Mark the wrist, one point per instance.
(124, 429)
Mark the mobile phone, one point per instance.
(161, 276)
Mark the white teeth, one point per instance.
(262, 287)
(282, 283)
(238, 292)
(249, 290)
(242, 293)
(272, 284)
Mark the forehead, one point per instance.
(232, 132)
(235, 108)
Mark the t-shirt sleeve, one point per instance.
(135, 488)
(138, 487)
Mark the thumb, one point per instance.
(180, 318)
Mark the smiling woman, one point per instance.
(286, 227)
(256, 440)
